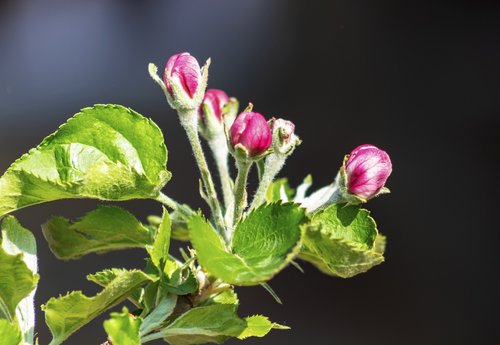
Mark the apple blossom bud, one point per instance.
(284, 138)
(184, 82)
(365, 172)
(250, 132)
(210, 113)
(183, 70)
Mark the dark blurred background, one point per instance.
(420, 79)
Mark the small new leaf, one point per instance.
(259, 326)
(263, 244)
(65, 315)
(18, 240)
(159, 250)
(16, 283)
(123, 328)
(104, 229)
(9, 334)
(106, 152)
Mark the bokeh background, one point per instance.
(420, 79)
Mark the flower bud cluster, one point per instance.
(249, 137)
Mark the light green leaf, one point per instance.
(9, 334)
(18, 240)
(263, 244)
(123, 328)
(106, 152)
(65, 315)
(214, 324)
(105, 277)
(343, 241)
(159, 250)
(16, 283)
(104, 229)
(278, 189)
(258, 326)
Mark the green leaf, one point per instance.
(105, 277)
(263, 244)
(104, 229)
(279, 188)
(123, 328)
(159, 250)
(258, 326)
(16, 283)
(159, 314)
(343, 241)
(214, 324)
(10, 335)
(178, 278)
(18, 240)
(65, 315)
(106, 152)
(179, 227)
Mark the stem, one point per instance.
(240, 192)
(174, 205)
(189, 120)
(273, 165)
(220, 153)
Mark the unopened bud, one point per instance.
(364, 173)
(210, 112)
(185, 81)
(250, 132)
(284, 138)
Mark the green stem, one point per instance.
(240, 192)
(273, 165)
(189, 120)
(220, 153)
(174, 205)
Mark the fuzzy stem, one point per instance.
(174, 205)
(273, 165)
(220, 152)
(240, 192)
(189, 120)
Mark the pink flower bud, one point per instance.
(214, 100)
(367, 170)
(251, 130)
(183, 70)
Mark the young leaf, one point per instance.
(343, 241)
(9, 334)
(123, 328)
(18, 240)
(214, 324)
(104, 229)
(278, 189)
(258, 326)
(263, 244)
(105, 277)
(106, 152)
(159, 250)
(65, 315)
(159, 314)
(16, 283)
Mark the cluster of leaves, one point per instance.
(112, 153)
